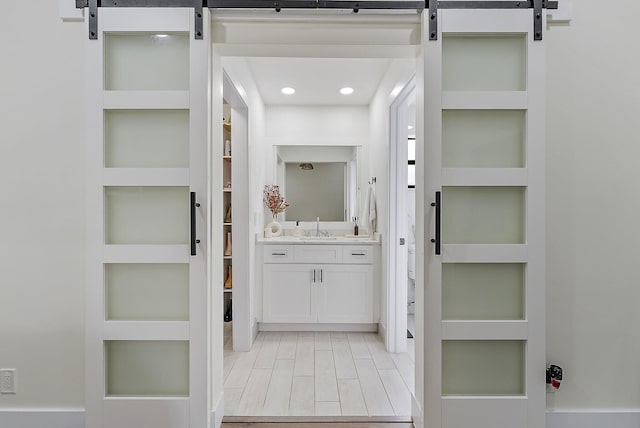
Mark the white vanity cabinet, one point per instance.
(289, 293)
(328, 284)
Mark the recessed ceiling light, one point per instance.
(346, 91)
(409, 127)
(162, 36)
(288, 91)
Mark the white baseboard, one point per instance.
(41, 418)
(217, 413)
(254, 331)
(317, 327)
(416, 412)
(382, 331)
(590, 419)
(74, 418)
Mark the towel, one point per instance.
(370, 211)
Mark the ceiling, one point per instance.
(318, 80)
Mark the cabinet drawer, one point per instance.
(278, 253)
(318, 254)
(358, 254)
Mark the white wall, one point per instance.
(309, 125)
(316, 125)
(592, 184)
(396, 76)
(593, 201)
(42, 205)
(239, 72)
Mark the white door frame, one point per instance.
(242, 331)
(397, 252)
(271, 43)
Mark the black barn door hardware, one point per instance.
(194, 239)
(356, 6)
(438, 206)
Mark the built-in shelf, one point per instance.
(227, 201)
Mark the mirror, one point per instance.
(318, 181)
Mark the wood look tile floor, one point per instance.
(318, 374)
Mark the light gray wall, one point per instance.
(593, 201)
(42, 205)
(592, 206)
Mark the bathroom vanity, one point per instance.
(320, 284)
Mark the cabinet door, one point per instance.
(345, 294)
(289, 293)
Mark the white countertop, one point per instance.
(323, 240)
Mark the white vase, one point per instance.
(275, 227)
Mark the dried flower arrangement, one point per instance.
(273, 200)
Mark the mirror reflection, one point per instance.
(316, 190)
(318, 181)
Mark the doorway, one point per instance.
(271, 366)
(402, 180)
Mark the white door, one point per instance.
(289, 293)
(345, 294)
(146, 319)
(484, 130)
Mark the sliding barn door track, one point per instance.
(355, 6)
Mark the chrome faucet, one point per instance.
(317, 226)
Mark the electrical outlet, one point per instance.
(7, 381)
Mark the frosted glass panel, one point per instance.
(146, 62)
(484, 63)
(150, 292)
(482, 291)
(483, 367)
(147, 368)
(411, 175)
(411, 149)
(147, 139)
(483, 139)
(147, 215)
(483, 215)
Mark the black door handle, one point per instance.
(438, 205)
(194, 240)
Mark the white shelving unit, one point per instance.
(227, 224)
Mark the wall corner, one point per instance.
(68, 11)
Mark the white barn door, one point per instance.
(484, 136)
(146, 320)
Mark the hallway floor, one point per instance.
(318, 374)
